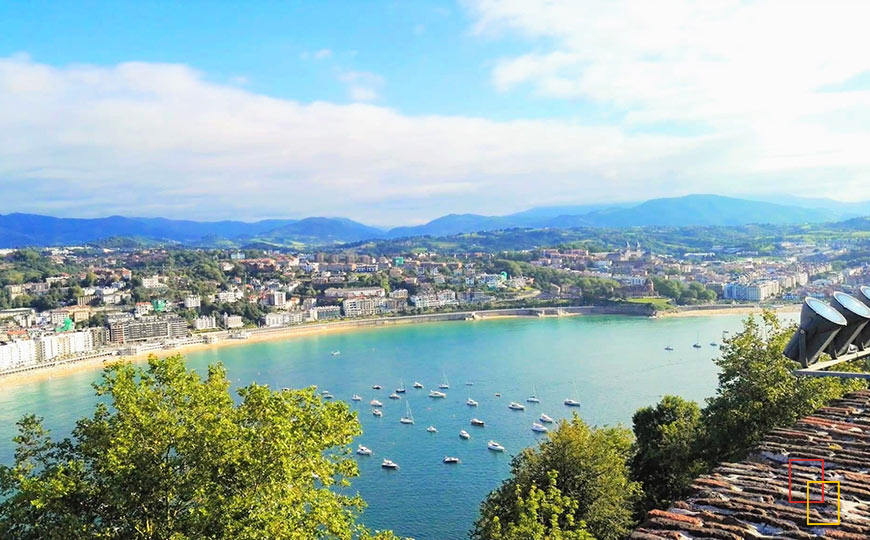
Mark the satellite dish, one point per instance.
(857, 315)
(819, 325)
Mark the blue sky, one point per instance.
(398, 112)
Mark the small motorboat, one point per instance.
(431, 429)
(387, 464)
(669, 348)
(377, 412)
(324, 392)
(540, 428)
(714, 344)
(470, 402)
(451, 460)
(376, 387)
(363, 451)
(494, 446)
(572, 402)
(516, 406)
(697, 345)
(464, 434)
(328, 396)
(417, 385)
(477, 422)
(356, 397)
(375, 403)
(336, 353)
(546, 419)
(395, 396)
(498, 394)
(437, 394)
(469, 383)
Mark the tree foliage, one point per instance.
(668, 449)
(591, 478)
(172, 456)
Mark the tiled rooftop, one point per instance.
(750, 499)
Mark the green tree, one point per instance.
(668, 447)
(590, 471)
(758, 390)
(540, 516)
(172, 456)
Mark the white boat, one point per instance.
(324, 392)
(363, 451)
(498, 394)
(431, 429)
(469, 383)
(328, 396)
(336, 353)
(464, 434)
(534, 397)
(669, 348)
(540, 428)
(395, 396)
(516, 406)
(376, 387)
(546, 419)
(437, 394)
(387, 464)
(451, 460)
(477, 422)
(470, 402)
(445, 384)
(408, 418)
(375, 403)
(401, 388)
(494, 446)
(714, 344)
(697, 344)
(417, 385)
(356, 397)
(377, 412)
(573, 402)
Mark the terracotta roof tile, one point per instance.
(750, 499)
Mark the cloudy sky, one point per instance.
(397, 112)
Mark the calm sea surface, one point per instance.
(617, 363)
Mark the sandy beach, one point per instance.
(726, 310)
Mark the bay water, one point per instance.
(612, 364)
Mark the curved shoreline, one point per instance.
(288, 332)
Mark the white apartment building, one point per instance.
(192, 302)
(232, 321)
(55, 346)
(229, 296)
(205, 323)
(358, 307)
(284, 318)
(17, 354)
(151, 282)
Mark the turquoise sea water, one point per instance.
(617, 363)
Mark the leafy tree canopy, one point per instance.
(170, 455)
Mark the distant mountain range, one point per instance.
(692, 210)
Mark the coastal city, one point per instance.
(450, 270)
(65, 304)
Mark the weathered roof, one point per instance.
(750, 499)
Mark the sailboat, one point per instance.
(697, 344)
(408, 418)
(445, 384)
(401, 388)
(534, 397)
(573, 402)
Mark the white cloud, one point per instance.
(754, 73)
(158, 139)
(320, 54)
(362, 85)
